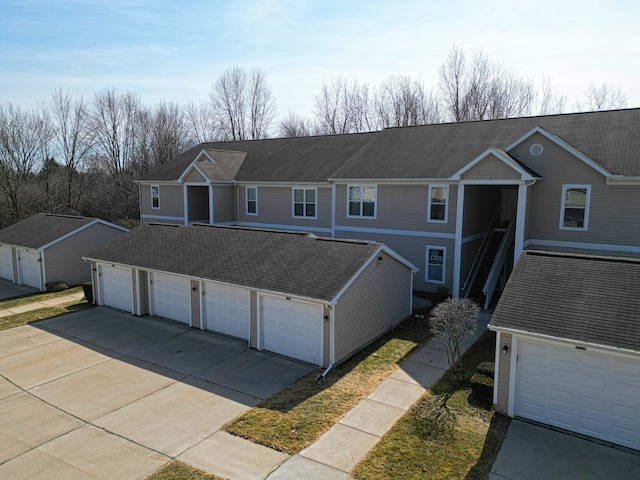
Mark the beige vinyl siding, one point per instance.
(171, 201)
(611, 206)
(375, 302)
(195, 304)
(326, 336)
(253, 328)
(275, 207)
(194, 176)
(63, 260)
(399, 207)
(503, 375)
(143, 280)
(224, 204)
(491, 168)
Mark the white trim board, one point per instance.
(295, 228)
(584, 246)
(406, 233)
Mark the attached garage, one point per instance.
(48, 248)
(291, 328)
(313, 299)
(116, 287)
(568, 347)
(170, 297)
(588, 392)
(227, 310)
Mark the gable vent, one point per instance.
(536, 149)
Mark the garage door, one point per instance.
(29, 268)
(584, 391)
(116, 287)
(227, 310)
(6, 263)
(292, 328)
(171, 297)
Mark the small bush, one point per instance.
(487, 368)
(482, 386)
(56, 286)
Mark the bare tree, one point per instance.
(481, 89)
(24, 145)
(603, 97)
(549, 102)
(401, 101)
(202, 122)
(244, 103)
(451, 321)
(293, 125)
(343, 108)
(72, 141)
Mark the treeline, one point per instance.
(76, 155)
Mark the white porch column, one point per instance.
(211, 217)
(457, 254)
(520, 218)
(185, 204)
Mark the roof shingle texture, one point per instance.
(589, 299)
(293, 263)
(41, 229)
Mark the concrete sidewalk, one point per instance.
(347, 442)
(74, 297)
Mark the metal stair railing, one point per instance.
(475, 266)
(501, 255)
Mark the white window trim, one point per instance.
(152, 197)
(375, 200)
(446, 204)
(444, 264)
(586, 207)
(246, 202)
(304, 202)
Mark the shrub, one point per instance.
(56, 286)
(487, 368)
(482, 386)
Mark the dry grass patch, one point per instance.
(294, 418)
(445, 435)
(25, 318)
(36, 297)
(176, 470)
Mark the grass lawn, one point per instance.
(177, 470)
(445, 435)
(294, 418)
(36, 297)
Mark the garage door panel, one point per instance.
(227, 310)
(6, 263)
(592, 393)
(171, 297)
(29, 268)
(116, 287)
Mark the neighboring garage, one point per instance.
(313, 299)
(46, 248)
(568, 346)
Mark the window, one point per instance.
(252, 200)
(362, 201)
(155, 196)
(304, 202)
(438, 195)
(574, 213)
(436, 259)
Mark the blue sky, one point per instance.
(174, 50)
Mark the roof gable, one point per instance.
(494, 164)
(580, 298)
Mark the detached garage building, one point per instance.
(568, 345)
(314, 299)
(47, 248)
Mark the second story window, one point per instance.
(438, 203)
(252, 200)
(574, 212)
(304, 202)
(155, 196)
(362, 201)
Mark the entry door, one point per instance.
(29, 268)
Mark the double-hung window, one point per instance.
(438, 196)
(252, 200)
(436, 262)
(304, 202)
(574, 212)
(362, 201)
(155, 196)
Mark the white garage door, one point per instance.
(116, 287)
(584, 391)
(171, 297)
(6, 263)
(292, 328)
(227, 310)
(29, 268)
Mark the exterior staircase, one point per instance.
(484, 269)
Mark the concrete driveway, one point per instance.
(9, 289)
(532, 452)
(101, 394)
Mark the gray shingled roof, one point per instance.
(293, 263)
(589, 299)
(304, 159)
(611, 139)
(41, 229)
